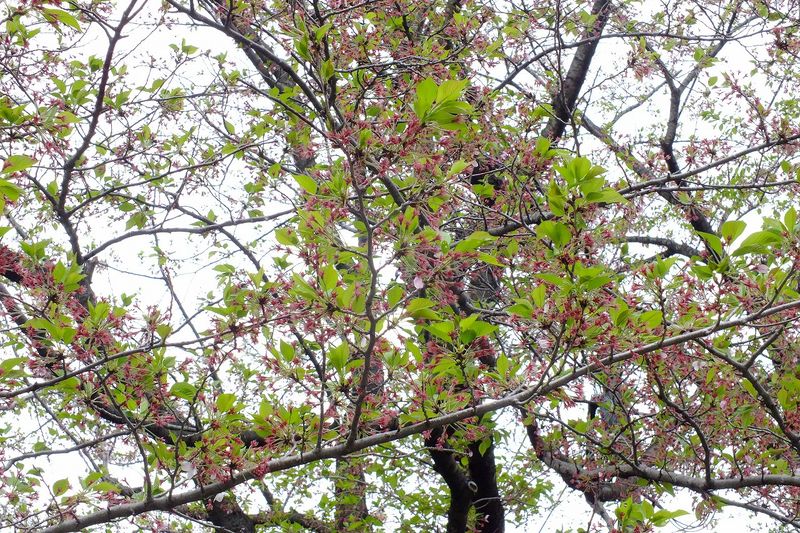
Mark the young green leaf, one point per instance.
(426, 94)
(184, 390)
(225, 401)
(731, 229)
(17, 163)
(306, 182)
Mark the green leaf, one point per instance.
(606, 196)
(306, 182)
(105, 486)
(163, 330)
(45, 325)
(441, 330)
(329, 278)
(60, 487)
(595, 282)
(580, 168)
(230, 128)
(35, 250)
(542, 146)
(489, 259)
(467, 322)
(522, 308)
(556, 280)
(556, 199)
(301, 288)
(790, 219)
(287, 351)
(466, 336)
(225, 401)
(593, 186)
(476, 239)
(457, 167)
(748, 386)
(481, 328)
(578, 171)
(286, 236)
(419, 303)
(9, 191)
(731, 229)
(326, 70)
(91, 478)
(713, 242)
(620, 314)
(67, 334)
(445, 114)
(662, 516)
(503, 365)
(16, 163)
(538, 295)
(363, 137)
(187, 49)
(445, 366)
(450, 90)
(337, 357)
(7, 364)
(320, 32)
(421, 308)
(344, 296)
(557, 232)
(138, 219)
(301, 46)
(394, 294)
(652, 318)
(225, 268)
(62, 16)
(426, 94)
(184, 390)
(783, 399)
(662, 266)
(484, 445)
(568, 173)
(758, 242)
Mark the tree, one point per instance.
(398, 265)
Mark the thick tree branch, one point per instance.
(487, 499)
(567, 95)
(462, 488)
(672, 247)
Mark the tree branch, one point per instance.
(564, 100)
